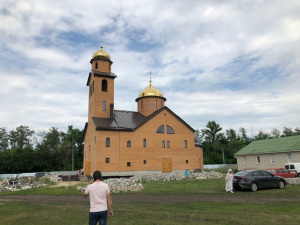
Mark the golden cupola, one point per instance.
(101, 54)
(150, 99)
(150, 90)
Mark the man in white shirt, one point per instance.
(99, 197)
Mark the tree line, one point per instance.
(217, 144)
(23, 150)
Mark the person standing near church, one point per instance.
(99, 193)
(229, 181)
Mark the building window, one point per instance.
(144, 142)
(142, 105)
(168, 144)
(161, 104)
(145, 161)
(128, 164)
(104, 85)
(170, 130)
(185, 143)
(96, 65)
(106, 160)
(160, 129)
(148, 103)
(290, 159)
(156, 104)
(245, 160)
(128, 143)
(258, 159)
(163, 144)
(186, 161)
(104, 105)
(272, 159)
(107, 142)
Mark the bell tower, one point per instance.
(101, 86)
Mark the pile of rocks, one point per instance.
(24, 183)
(135, 183)
(178, 175)
(117, 185)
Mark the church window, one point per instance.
(107, 142)
(163, 144)
(144, 142)
(128, 164)
(128, 143)
(170, 130)
(104, 85)
(156, 104)
(106, 160)
(141, 104)
(186, 161)
(145, 161)
(160, 129)
(185, 143)
(96, 65)
(148, 103)
(161, 104)
(104, 105)
(168, 144)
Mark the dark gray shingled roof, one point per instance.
(129, 120)
(123, 120)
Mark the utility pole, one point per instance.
(223, 157)
(72, 155)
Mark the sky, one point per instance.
(233, 62)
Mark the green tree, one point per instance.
(243, 137)
(3, 138)
(231, 135)
(261, 135)
(20, 137)
(275, 133)
(287, 131)
(297, 131)
(211, 132)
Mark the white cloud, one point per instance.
(233, 62)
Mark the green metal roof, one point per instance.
(283, 144)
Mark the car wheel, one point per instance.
(253, 187)
(281, 184)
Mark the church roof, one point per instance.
(129, 120)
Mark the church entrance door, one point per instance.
(166, 165)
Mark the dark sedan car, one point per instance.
(255, 179)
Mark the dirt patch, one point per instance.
(151, 198)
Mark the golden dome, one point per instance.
(150, 90)
(101, 54)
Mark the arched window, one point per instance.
(107, 143)
(148, 103)
(170, 130)
(156, 104)
(185, 143)
(160, 129)
(141, 104)
(168, 144)
(96, 65)
(128, 143)
(104, 85)
(144, 142)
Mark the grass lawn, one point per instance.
(279, 212)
